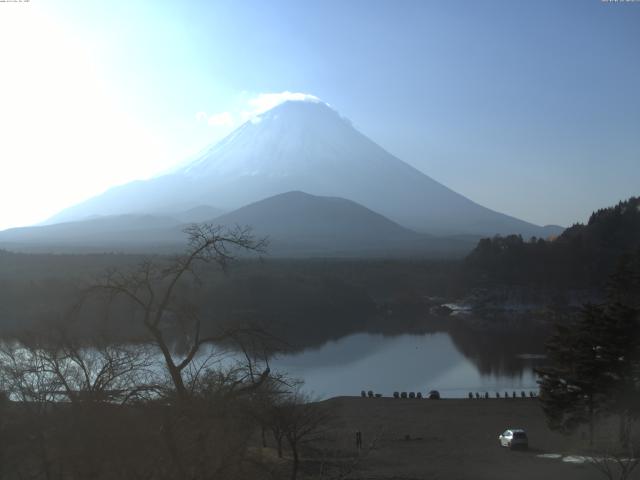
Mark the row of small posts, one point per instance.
(371, 394)
(476, 395)
(506, 395)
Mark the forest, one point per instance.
(583, 256)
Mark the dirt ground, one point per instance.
(451, 439)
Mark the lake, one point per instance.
(407, 362)
(454, 360)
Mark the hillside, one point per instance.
(299, 224)
(583, 256)
(127, 233)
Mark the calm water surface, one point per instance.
(408, 363)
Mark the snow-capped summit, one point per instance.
(305, 145)
(286, 141)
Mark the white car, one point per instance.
(514, 438)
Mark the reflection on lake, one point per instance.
(408, 363)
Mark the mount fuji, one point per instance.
(305, 146)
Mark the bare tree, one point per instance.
(78, 383)
(267, 404)
(153, 289)
(96, 369)
(66, 398)
(614, 466)
(299, 421)
(24, 381)
(616, 462)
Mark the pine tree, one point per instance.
(594, 362)
(574, 388)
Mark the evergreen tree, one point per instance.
(574, 387)
(583, 256)
(594, 362)
(624, 309)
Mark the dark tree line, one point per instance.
(582, 256)
(305, 302)
(594, 361)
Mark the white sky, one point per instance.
(64, 136)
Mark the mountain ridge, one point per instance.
(309, 147)
(296, 223)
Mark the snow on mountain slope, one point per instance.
(306, 146)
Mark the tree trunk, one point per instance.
(174, 372)
(624, 427)
(296, 461)
(591, 421)
(176, 376)
(42, 447)
(264, 438)
(279, 441)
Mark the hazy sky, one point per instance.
(531, 108)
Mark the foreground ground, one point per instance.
(450, 439)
